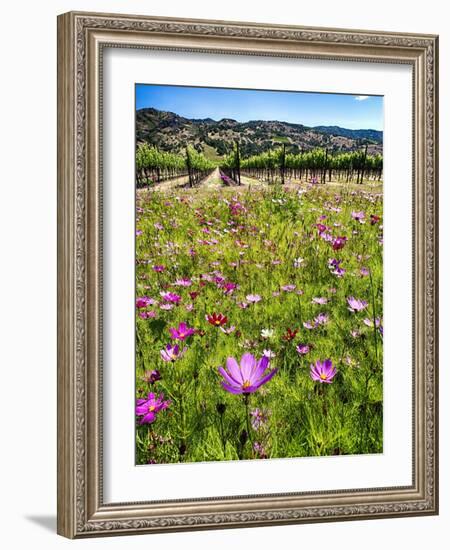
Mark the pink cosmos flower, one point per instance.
(358, 216)
(355, 304)
(150, 407)
(147, 314)
(288, 288)
(259, 418)
(182, 332)
(369, 322)
(303, 349)
(319, 300)
(246, 377)
(253, 298)
(322, 319)
(158, 268)
(172, 353)
(323, 372)
(183, 282)
(228, 330)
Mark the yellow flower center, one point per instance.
(246, 384)
(151, 408)
(323, 376)
(218, 323)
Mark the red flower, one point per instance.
(217, 319)
(194, 294)
(290, 334)
(374, 219)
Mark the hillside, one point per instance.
(171, 132)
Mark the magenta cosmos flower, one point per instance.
(143, 302)
(148, 408)
(172, 353)
(303, 349)
(246, 377)
(182, 332)
(147, 314)
(339, 242)
(171, 297)
(323, 372)
(355, 304)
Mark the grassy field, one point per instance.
(280, 288)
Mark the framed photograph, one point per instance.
(247, 282)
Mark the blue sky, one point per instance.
(310, 109)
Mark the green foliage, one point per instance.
(313, 160)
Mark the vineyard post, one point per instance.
(283, 163)
(330, 169)
(189, 167)
(238, 164)
(324, 171)
(363, 165)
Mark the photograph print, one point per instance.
(259, 274)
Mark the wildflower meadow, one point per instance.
(259, 320)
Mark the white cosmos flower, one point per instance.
(267, 333)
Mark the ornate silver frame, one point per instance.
(81, 37)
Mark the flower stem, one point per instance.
(222, 434)
(247, 417)
(374, 317)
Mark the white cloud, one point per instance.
(361, 97)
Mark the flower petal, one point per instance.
(234, 370)
(248, 363)
(148, 418)
(231, 381)
(266, 378)
(231, 389)
(259, 369)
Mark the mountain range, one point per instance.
(171, 132)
